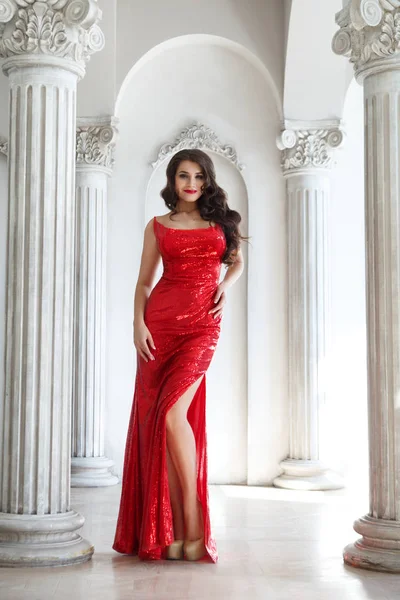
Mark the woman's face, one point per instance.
(189, 180)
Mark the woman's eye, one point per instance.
(183, 175)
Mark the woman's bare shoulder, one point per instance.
(164, 219)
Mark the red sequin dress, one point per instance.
(185, 337)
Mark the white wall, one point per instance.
(346, 435)
(315, 77)
(97, 90)
(287, 11)
(216, 86)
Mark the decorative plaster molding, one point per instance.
(95, 141)
(3, 146)
(198, 136)
(308, 148)
(60, 28)
(369, 31)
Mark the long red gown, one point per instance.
(185, 337)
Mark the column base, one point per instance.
(378, 549)
(42, 540)
(307, 475)
(92, 471)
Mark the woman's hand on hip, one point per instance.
(219, 301)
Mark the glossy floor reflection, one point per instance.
(273, 545)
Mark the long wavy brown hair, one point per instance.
(212, 204)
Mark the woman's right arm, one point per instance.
(148, 266)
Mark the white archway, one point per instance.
(162, 95)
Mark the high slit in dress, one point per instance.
(185, 336)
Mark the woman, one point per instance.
(164, 509)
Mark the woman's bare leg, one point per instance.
(182, 448)
(175, 493)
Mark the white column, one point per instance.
(369, 36)
(94, 160)
(307, 155)
(45, 50)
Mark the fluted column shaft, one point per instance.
(382, 206)
(368, 35)
(381, 527)
(95, 144)
(37, 526)
(306, 160)
(91, 194)
(39, 293)
(308, 204)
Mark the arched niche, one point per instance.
(227, 376)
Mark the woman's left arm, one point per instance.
(232, 274)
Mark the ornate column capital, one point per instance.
(369, 35)
(49, 29)
(95, 143)
(309, 146)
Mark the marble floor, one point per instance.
(273, 545)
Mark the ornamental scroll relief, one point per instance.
(309, 148)
(369, 31)
(95, 142)
(63, 28)
(198, 136)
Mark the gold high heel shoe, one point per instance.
(194, 550)
(175, 550)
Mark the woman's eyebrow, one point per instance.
(198, 172)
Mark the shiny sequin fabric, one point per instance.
(185, 336)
